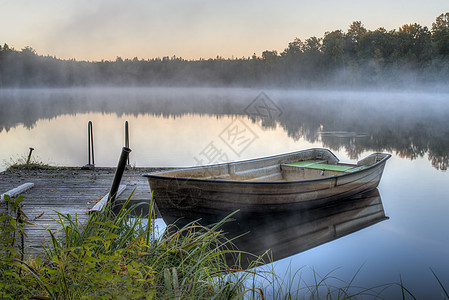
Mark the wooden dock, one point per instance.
(67, 191)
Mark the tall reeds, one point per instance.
(118, 256)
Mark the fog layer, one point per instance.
(411, 124)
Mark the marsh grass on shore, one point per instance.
(114, 256)
(27, 163)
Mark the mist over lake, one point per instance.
(412, 125)
(176, 127)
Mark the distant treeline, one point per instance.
(413, 54)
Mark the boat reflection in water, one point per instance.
(284, 234)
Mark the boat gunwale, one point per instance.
(155, 176)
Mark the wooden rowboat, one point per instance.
(310, 177)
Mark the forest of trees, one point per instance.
(411, 55)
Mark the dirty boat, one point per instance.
(306, 178)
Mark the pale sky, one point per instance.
(104, 29)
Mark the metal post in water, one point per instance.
(118, 174)
(29, 155)
(90, 142)
(90, 148)
(127, 138)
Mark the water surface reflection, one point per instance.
(281, 235)
(169, 127)
(412, 125)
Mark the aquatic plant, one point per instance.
(115, 255)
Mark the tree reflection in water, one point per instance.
(410, 124)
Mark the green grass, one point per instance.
(114, 256)
(22, 162)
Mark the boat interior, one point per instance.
(304, 165)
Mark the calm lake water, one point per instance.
(185, 127)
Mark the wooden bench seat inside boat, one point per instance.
(312, 169)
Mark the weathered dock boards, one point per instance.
(67, 191)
